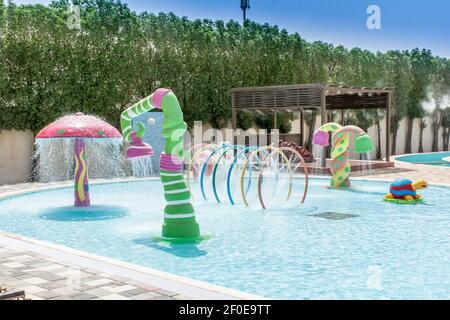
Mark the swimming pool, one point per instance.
(433, 159)
(339, 245)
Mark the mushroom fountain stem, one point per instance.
(81, 175)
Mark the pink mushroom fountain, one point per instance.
(80, 127)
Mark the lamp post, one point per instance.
(245, 5)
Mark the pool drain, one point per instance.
(331, 215)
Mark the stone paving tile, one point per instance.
(118, 289)
(54, 284)
(136, 291)
(98, 292)
(61, 298)
(33, 289)
(115, 296)
(147, 287)
(106, 275)
(36, 280)
(49, 276)
(98, 282)
(166, 293)
(181, 297)
(44, 278)
(146, 296)
(83, 296)
(21, 257)
(64, 274)
(118, 278)
(163, 298)
(34, 297)
(66, 291)
(53, 267)
(48, 294)
(14, 265)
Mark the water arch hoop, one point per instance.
(248, 164)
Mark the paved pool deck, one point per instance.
(47, 278)
(47, 271)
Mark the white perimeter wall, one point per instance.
(16, 147)
(16, 151)
(427, 135)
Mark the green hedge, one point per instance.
(118, 57)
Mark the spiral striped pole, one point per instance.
(340, 164)
(321, 137)
(180, 224)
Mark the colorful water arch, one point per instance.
(214, 154)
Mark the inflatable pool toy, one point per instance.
(340, 165)
(404, 191)
(180, 225)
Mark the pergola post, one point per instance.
(234, 117)
(388, 126)
(233, 111)
(275, 120)
(302, 128)
(323, 120)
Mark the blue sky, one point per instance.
(405, 24)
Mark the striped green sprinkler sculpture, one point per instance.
(180, 225)
(340, 165)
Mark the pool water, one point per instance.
(434, 159)
(338, 245)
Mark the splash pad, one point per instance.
(180, 225)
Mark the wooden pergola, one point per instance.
(321, 98)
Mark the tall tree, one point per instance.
(438, 93)
(397, 74)
(446, 129)
(422, 127)
(421, 69)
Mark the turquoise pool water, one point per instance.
(339, 245)
(434, 159)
